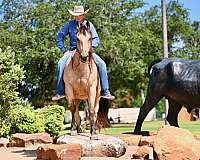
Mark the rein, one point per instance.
(88, 62)
(84, 56)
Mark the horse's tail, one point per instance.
(102, 115)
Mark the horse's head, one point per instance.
(84, 41)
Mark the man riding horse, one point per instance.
(70, 29)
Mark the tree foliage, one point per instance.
(10, 76)
(129, 40)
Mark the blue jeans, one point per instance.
(101, 68)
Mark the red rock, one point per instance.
(143, 152)
(59, 152)
(25, 140)
(4, 142)
(147, 140)
(175, 143)
(130, 139)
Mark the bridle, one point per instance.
(85, 57)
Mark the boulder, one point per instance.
(147, 140)
(4, 142)
(105, 146)
(176, 143)
(59, 152)
(26, 140)
(130, 139)
(143, 152)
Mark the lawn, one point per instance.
(192, 126)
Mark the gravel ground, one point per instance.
(18, 153)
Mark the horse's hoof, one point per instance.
(94, 137)
(73, 133)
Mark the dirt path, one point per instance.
(18, 153)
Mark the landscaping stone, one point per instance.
(4, 142)
(59, 152)
(130, 139)
(105, 146)
(147, 140)
(175, 143)
(26, 140)
(143, 152)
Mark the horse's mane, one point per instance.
(83, 29)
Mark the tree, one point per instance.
(129, 41)
(10, 76)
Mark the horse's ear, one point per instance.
(88, 25)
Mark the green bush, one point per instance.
(23, 119)
(5, 128)
(52, 117)
(137, 102)
(14, 115)
(11, 74)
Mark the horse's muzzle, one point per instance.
(84, 59)
(84, 56)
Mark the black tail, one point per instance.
(102, 115)
(152, 63)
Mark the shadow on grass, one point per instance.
(143, 133)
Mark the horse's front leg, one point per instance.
(93, 110)
(77, 116)
(73, 123)
(72, 106)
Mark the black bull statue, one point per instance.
(178, 81)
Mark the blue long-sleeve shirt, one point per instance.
(71, 29)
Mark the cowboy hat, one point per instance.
(78, 10)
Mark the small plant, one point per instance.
(52, 117)
(23, 119)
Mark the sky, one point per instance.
(193, 7)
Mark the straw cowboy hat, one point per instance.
(78, 10)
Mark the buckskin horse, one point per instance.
(82, 83)
(177, 80)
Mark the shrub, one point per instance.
(5, 128)
(11, 74)
(52, 117)
(23, 119)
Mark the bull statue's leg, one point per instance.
(148, 105)
(93, 110)
(172, 116)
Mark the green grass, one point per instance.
(192, 126)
